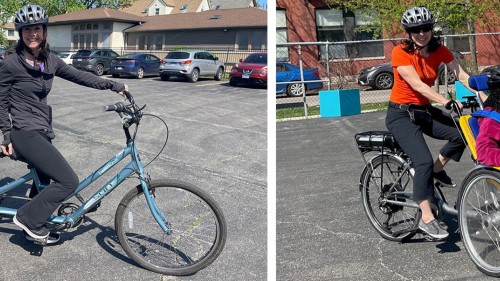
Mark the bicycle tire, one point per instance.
(186, 250)
(479, 219)
(388, 219)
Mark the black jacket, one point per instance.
(24, 90)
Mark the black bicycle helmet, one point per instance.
(30, 15)
(494, 79)
(417, 16)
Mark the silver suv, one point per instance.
(191, 64)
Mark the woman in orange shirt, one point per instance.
(410, 114)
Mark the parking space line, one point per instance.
(211, 84)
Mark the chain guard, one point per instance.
(69, 208)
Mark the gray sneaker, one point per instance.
(433, 229)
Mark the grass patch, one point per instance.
(298, 111)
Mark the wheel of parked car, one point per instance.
(99, 69)
(164, 77)
(451, 77)
(115, 75)
(218, 74)
(140, 73)
(233, 82)
(195, 74)
(294, 90)
(384, 80)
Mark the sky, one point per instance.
(262, 2)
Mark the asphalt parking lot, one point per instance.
(322, 230)
(217, 141)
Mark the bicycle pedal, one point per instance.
(41, 242)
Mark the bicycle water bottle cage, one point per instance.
(376, 141)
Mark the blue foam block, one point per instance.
(335, 103)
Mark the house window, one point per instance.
(10, 33)
(281, 36)
(257, 38)
(159, 42)
(142, 42)
(339, 26)
(157, 11)
(243, 40)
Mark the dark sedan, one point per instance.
(286, 72)
(136, 65)
(381, 76)
(490, 68)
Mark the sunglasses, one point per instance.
(417, 30)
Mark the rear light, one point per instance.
(130, 61)
(163, 62)
(186, 62)
(316, 73)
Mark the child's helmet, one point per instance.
(494, 79)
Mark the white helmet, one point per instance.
(417, 16)
(30, 15)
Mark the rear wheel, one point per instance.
(195, 75)
(386, 179)
(294, 90)
(479, 219)
(140, 73)
(99, 69)
(451, 77)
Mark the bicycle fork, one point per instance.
(158, 215)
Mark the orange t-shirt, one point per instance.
(426, 67)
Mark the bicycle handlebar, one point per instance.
(118, 107)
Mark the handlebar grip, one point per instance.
(449, 104)
(129, 96)
(118, 107)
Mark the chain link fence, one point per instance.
(366, 65)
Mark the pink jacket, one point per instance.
(487, 142)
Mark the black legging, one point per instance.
(410, 137)
(36, 150)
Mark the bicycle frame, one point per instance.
(134, 166)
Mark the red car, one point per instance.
(252, 70)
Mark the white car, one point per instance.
(67, 57)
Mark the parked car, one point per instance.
(381, 76)
(252, 70)
(67, 57)
(137, 65)
(490, 68)
(286, 72)
(94, 60)
(191, 64)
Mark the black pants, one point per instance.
(37, 150)
(410, 137)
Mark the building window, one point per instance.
(142, 42)
(281, 36)
(243, 40)
(159, 42)
(10, 33)
(157, 11)
(339, 26)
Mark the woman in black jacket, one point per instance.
(26, 78)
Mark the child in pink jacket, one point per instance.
(488, 140)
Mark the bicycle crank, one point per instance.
(67, 209)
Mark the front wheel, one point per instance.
(479, 219)
(194, 76)
(294, 90)
(197, 226)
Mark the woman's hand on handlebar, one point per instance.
(454, 104)
(7, 150)
(122, 93)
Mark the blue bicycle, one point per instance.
(166, 226)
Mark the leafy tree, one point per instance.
(452, 16)
(53, 8)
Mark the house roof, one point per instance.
(244, 17)
(137, 7)
(192, 6)
(232, 4)
(95, 14)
